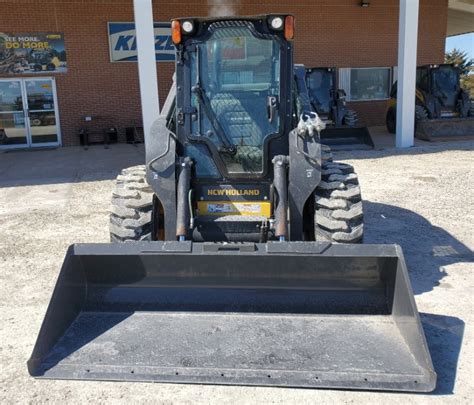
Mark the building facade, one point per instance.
(84, 87)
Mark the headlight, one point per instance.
(188, 27)
(277, 23)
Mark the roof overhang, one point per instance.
(460, 17)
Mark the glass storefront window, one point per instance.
(10, 96)
(28, 114)
(370, 84)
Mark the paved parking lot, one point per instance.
(420, 198)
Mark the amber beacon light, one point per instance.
(176, 32)
(289, 27)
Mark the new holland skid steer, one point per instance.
(232, 272)
(342, 124)
(443, 109)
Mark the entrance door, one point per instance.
(13, 131)
(28, 113)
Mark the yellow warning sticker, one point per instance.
(235, 208)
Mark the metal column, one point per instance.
(407, 48)
(147, 64)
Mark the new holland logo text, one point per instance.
(233, 192)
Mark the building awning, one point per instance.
(460, 17)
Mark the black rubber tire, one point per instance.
(3, 136)
(326, 153)
(420, 113)
(132, 207)
(351, 118)
(339, 213)
(35, 122)
(460, 109)
(391, 121)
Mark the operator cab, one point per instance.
(441, 82)
(239, 93)
(321, 83)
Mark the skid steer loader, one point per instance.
(44, 60)
(232, 273)
(343, 131)
(443, 109)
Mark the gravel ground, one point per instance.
(421, 199)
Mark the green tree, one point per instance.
(467, 83)
(466, 65)
(461, 59)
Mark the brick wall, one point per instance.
(328, 33)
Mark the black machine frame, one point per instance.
(430, 101)
(281, 312)
(435, 119)
(432, 97)
(173, 128)
(338, 107)
(338, 134)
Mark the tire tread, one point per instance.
(339, 210)
(132, 207)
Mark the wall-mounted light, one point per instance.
(365, 3)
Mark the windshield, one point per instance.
(423, 79)
(235, 78)
(446, 79)
(320, 84)
(446, 85)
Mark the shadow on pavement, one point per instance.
(74, 164)
(444, 335)
(384, 149)
(67, 165)
(427, 248)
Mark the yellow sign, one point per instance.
(221, 208)
(32, 53)
(232, 192)
(27, 45)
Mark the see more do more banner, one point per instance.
(29, 53)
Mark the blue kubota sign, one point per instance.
(123, 42)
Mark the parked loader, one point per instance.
(44, 60)
(342, 124)
(443, 109)
(232, 271)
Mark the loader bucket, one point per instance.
(445, 129)
(298, 314)
(347, 138)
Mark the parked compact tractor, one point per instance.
(443, 109)
(232, 271)
(342, 124)
(44, 60)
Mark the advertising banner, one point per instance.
(31, 53)
(123, 42)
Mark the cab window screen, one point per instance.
(237, 73)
